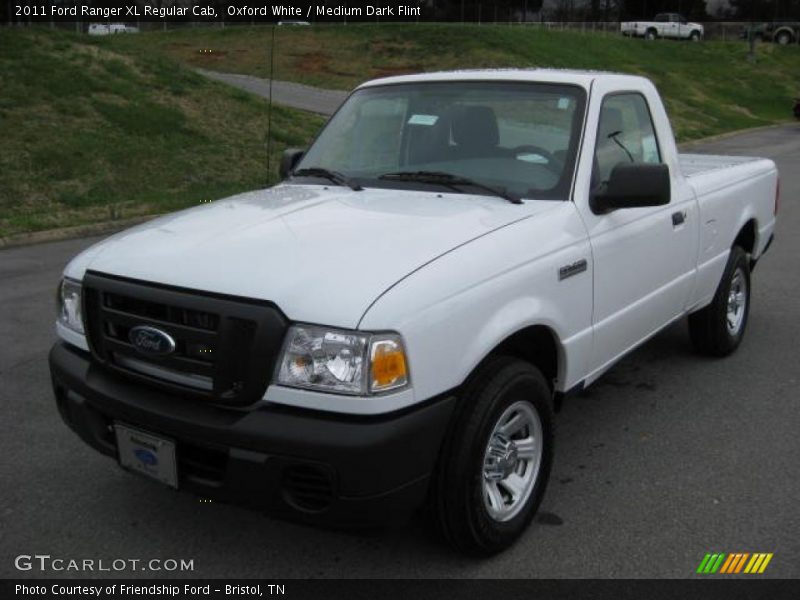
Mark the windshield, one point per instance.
(517, 137)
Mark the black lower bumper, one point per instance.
(294, 463)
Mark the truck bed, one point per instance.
(693, 165)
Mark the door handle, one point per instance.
(678, 218)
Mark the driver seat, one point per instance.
(474, 131)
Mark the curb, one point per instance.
(68, 233)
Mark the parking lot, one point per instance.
(667, 457)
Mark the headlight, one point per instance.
(346, 362)
(69, 305)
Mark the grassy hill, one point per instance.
(709, 87)
(91, 132)
(104, 128)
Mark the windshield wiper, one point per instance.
(449, 180)
(334, 176)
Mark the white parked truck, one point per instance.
(111, 28)
(665, 25)
(396, 322)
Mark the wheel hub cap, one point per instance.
(501, 458)
(737, 299)
(511, 461)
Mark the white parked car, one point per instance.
(665, 25)
(396, 323)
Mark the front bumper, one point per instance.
(304, 465)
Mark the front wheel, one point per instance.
(496, 462)
(695, 36)
(718, 329)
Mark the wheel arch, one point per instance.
(787, 30)
(536, 344)
(747, 237)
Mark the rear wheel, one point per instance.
(496, 462)
(718, 329)
(784, 38)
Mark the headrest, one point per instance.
(475, 127)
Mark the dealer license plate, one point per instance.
(147, 454)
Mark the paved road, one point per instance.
(295, 95)
(667, 457)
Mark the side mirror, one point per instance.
(632, 186)
(290, 158)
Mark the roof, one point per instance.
(567, 76)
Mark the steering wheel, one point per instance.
(552, 164)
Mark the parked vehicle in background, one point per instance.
(111, 28)
(665, 25)
(782, 33)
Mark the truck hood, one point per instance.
(322, 254)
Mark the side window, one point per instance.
(625, 135)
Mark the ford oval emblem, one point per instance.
(146, 457)
(149, 340)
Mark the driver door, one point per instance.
(644, 256)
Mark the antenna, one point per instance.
(269, 109)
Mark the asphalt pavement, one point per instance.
(288, 93)
(668, 456)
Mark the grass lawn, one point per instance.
(91, 132)
(106, 128)
(709, 87)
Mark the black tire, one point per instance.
(783, 38)
(459, 497)
(651, 34)
(709, 327)
(695, 36)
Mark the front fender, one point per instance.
(457, 309)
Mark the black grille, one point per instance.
(308, 487)
(225, 348)
(163, 313)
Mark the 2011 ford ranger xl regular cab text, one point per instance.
(394, 324)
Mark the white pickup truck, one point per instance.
(394, 325)
(665, 25)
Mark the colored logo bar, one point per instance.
(735, 562)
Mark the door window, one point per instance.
(625, 135)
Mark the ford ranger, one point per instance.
(394, 325)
